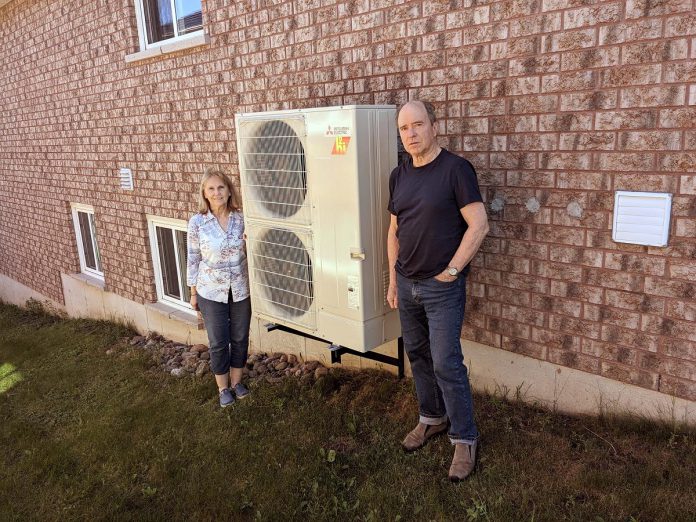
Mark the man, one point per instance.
(438, 222)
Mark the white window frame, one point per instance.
(173, 224)
(142, 28)
(89, 210)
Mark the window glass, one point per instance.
(93, 229)
(168, 264)
(87, 243)
(181, 245)
(188, 16)
(159, 20)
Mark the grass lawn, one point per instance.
(90, 436)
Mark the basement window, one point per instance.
(168, 242)
(87, 244)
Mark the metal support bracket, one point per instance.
(337, 350)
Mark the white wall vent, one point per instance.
(315, 189)
(126, 177)
(642, 218)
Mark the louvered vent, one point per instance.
(642, 218)
(126, 178)
(282, 274)
(275, 170)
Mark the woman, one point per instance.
(219, 280)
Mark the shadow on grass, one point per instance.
(91, 436)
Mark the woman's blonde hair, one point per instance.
(233, 204)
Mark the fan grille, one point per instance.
(282, 274)
(276, 170)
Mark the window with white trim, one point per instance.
(166, 21)
(87, 244)
(168, 246)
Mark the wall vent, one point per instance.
(642, 218)
(126, 177)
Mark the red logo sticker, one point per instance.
(340, 145)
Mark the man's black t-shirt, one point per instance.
(426, 202)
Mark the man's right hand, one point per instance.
(194, 302)
(393, 295)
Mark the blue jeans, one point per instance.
(431, 315)
(227, 325)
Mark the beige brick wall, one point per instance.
(557, 104)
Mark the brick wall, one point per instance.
(557, 104)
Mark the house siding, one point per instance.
(557, 104)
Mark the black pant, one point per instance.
(227, 325)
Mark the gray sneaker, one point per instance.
(240, 390)
(226, 398)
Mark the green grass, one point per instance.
(90, 436)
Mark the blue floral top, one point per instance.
(217, 260)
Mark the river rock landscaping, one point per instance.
(182, 360)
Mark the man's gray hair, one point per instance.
(429, 109)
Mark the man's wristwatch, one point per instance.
(452, 270)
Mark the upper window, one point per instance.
(87, 245)
(161, 21)
(168, 242)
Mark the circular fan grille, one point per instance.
(277, 172)
(284, 271)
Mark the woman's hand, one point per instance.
(194, 302)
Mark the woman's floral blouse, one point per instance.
(217, 259)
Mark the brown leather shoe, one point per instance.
(463, 462)
(421, 434)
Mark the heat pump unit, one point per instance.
(315, 190)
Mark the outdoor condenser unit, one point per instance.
(315, 190)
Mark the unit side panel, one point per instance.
(374, 167)
(331, 174)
